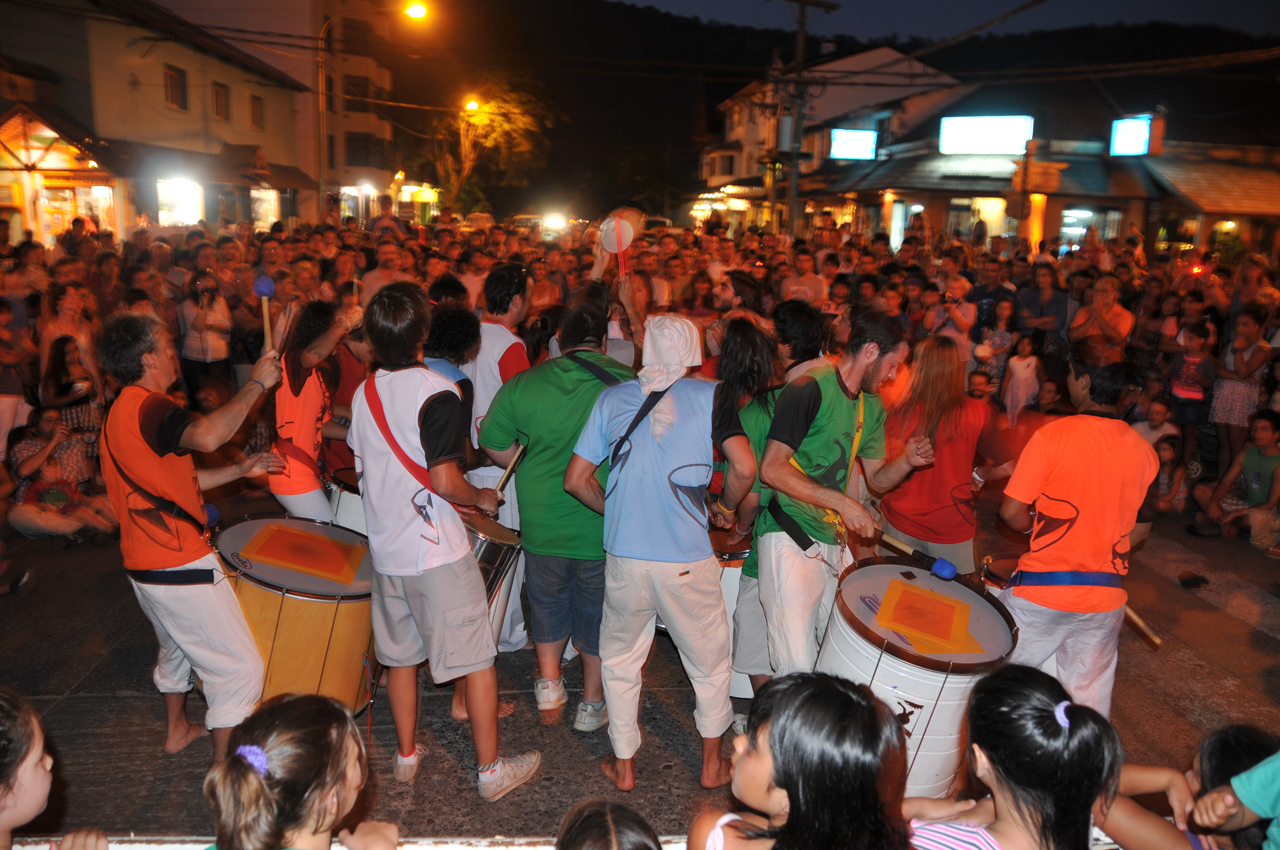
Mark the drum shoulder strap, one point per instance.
(419, 472)
(600, 372)
(650, 402)
(159, 503)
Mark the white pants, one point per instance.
(13, 411)
(201, 627)
(750, 632)
(1085, 647)
(688, 598)
(313, 504)
(513, 636)
(33, 522)
(797, 590)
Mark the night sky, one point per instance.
(870, 19)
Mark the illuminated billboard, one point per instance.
(985, 134)
(853, 144)
(1131, 136)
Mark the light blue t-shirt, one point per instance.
(1259, 789)
(655, 499)
(443, 367)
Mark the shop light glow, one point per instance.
(985, 134)
(853, 144)
(1131, 136)
(553, 221)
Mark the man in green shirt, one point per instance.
(823, 421)
(544, 409)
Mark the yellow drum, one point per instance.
(312, 621)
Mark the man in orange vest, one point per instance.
(156, 489)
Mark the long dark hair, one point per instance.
(313, 322)
(305, 740)
(602, 825)
(57, 373)
(838, 753)
(18, 725)
(1054, 773)
(747, 365)
(1228, 752)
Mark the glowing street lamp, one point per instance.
(416, 10)
(472, 106)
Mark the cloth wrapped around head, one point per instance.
(672, 344)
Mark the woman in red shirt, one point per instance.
(933, 510)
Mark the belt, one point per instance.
(171, 577)
(1065, 578)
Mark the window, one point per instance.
(221, 102)
(332, 158)
(358, 37)
(355, 89)
(364, 150)
(175, 87)
(726, 165)
(328, 92)
(257, 112)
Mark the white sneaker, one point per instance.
(739, 724)
(590, 719)
(406, 768)
(511, 773)
(549, 693)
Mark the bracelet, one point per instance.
(259, 383)
(720, 505)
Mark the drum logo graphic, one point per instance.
(907, 710)
(689, 485)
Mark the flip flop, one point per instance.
(1204, 530)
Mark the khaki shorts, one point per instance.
(441, 616)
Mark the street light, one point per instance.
(472, 106)
(416, 10)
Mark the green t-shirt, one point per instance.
(1259, 789)
(544, 408)
(817, 416)
(1258, 471)
(756, 420)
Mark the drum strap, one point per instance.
(166, 506)
(288, 447)
(650, 402)
(599, 371)
(419, 472)
(171, 577)
(788, 523)
(1065, 578)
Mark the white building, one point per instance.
(124, 113)
(355, 160)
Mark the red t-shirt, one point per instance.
(936, 503)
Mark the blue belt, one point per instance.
(1062, 578)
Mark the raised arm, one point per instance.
(208, 433)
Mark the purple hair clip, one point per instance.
(255, 755)
(1060, 714)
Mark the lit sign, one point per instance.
(988, 134)
(853, 144)
(1131, 136)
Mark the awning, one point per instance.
(1220, 187)
(236, 165)
(288, 177)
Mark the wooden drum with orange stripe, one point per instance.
(306, 591)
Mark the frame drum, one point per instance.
(315, 635)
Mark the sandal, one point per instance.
(1204, 529)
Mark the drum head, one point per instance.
(234, 538)
(486, 526)
(724, 551)
(930, 622)
(346, 479)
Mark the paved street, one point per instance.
(79, 647)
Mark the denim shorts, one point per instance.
(1189, 412)
(565, 598)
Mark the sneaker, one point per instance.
(407, 768)
(589, 718)
(739, 724)
(22, 584)
(511, 773)
(549, 693)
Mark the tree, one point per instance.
(495, 139)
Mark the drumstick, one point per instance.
(1140, 626)
(940, 567)
(511, 467)
(264, 287)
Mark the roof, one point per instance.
(1219, 187)
(146, 14)
(30, 70)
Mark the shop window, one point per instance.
(265, 207)
(180, 202)
(222, 101)
(175, 87)
(257, 112)
(356, 91)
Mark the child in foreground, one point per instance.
(293, 772)
(602, 825)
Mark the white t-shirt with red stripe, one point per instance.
(502, 356)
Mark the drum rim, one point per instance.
(740, 555)
(885, 645)
(478, 533)
(300, 594)
(342, 485)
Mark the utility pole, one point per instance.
(799, 101)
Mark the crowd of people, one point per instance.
(803, 395)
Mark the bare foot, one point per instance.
(715, 773)
(177, 739)
(459, 713)
(621, 772)
(1230, 530)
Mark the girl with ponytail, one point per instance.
(1046, 760)
(292, 773)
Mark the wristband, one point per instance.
(259, 383)
(720, 504)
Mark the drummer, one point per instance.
(823, 420)
(428, 597)
(304, 410)
(1090, 477)
(544, 408)
(175, 573)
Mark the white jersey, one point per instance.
(410, 528)
(486, 377)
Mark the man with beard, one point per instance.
(823, 420)
(387, 272)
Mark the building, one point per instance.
(857, 104)
(354, 163)
(123, 113)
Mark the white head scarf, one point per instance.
(672, 344)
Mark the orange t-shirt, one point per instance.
(302, 406)
(141, 435)
(1087, 476)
